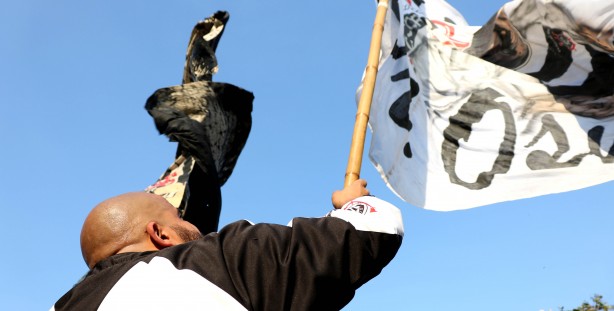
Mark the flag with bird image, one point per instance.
(209, 120)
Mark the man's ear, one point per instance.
(159, 235)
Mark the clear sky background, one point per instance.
(74, 77)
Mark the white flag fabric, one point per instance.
(467, 116)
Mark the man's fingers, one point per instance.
(362, 182)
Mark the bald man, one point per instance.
(133, 222)
(143, 256)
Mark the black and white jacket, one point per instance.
(311, 264)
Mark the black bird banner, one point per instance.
(210, 121)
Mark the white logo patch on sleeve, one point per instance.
(359, 207)
(371, 214)
(159, 285)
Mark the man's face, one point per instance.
(185, 230)
(187, 234)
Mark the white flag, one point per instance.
(466, 116)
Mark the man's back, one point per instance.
(314, 264)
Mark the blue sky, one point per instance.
(74, 77)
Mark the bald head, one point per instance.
(132, 222)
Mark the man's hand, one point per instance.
(356, 189)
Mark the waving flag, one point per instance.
(210, 121)
(466, 116)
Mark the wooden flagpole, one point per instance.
(352, 172)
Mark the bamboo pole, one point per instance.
(352, 172)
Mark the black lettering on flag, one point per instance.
(413, 22)
(595, 135)
(399, 110)
(540, 160)
(459, 128)
(394, 6)
(398, 52)
(549, 125)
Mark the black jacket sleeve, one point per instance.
(313, 264)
